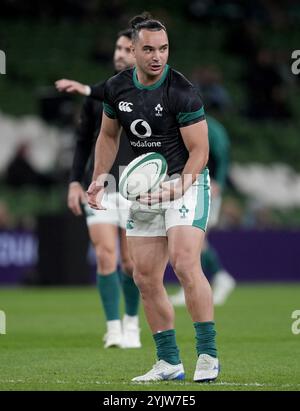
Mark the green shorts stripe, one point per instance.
(203, 201)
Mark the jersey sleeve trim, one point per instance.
(109, 111)
(185, 119)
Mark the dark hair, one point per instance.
(145, 21)
(125, 33)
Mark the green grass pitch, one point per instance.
(53, 341)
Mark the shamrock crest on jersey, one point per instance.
(158, 109)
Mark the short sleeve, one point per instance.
(97, 91)
(108, 102)
(189, 107)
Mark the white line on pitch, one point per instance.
(221, 383)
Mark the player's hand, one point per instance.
(71, 86)
(95, 195)
(168, 191)
(76, 196)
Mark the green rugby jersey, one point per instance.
(153, 115)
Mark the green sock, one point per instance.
(210, 262)
(109, 291)
(206, 338)
(131, 294)
(166, 347)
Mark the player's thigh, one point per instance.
(104, 239)
(186, 222)
(184, 245)
(126, 260)
(149, 254)
(124, 249)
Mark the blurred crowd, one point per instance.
(266, 79)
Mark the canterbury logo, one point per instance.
(124, 106)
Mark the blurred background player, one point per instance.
(106, 227)
(222, 282)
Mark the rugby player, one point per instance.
(167, 116)
(106, 226)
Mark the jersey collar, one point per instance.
(153, 86)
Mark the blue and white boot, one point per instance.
(162, 371)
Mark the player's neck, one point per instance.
(147, 80)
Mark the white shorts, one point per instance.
(192, 209)
(116, 213)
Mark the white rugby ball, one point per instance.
(142, 175)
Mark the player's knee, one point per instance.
(140, 279)
(144, 283)
(106, 259)
(180, 261)
(184, 267)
